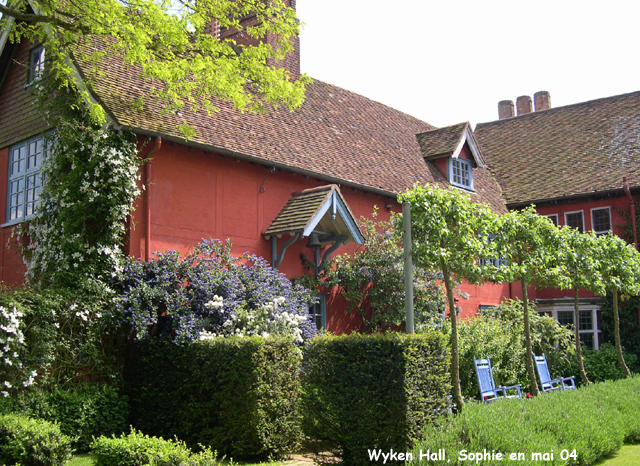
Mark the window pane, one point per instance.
(575, 220)
(318, 311)
(601, 220)
(36, 63)
(553, 218)
(461, 172)
(17, 159)
(25, 182)
(565, 318)
(587, 339)
(586, 322)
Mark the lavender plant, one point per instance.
(209, 293)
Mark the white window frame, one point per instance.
(19, 197)
(581, 212)
(602, 232)
(36, 64)
(556, 216)
(592, 308)
(319, 310)
(469, 166)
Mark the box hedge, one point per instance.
(373, 391)
(81, 413)
(137, 449)
(32, 442)
(237, 395)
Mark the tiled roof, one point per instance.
(441, 141)
(310, 210)
(299, 210)
(341, 136)
(565, 151)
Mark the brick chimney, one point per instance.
(291, 62)
(542, 100)
(505, 109)
(523, 104)
(213, 28)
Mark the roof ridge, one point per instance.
(556, 109)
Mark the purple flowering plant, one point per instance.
(209, 293)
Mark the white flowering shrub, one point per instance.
(264, 321)
(59, 334)
(14, 375)
(89, 186)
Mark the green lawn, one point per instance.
(80, 460)
(85, 460)
(628, 455)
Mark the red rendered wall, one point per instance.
(12, 268)
(195, 195)
(616, 204)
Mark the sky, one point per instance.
(448, 61)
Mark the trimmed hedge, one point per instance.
(82, 413)
(32, 442)
(594, 421)
(237, 395)
(373, 391)
(137, 449)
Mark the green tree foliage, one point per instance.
(530, 242)
(497, 334)
(451, 234)
(629, 325)
(168, 43)
(371, 279)
(618, 266)
(580, 271)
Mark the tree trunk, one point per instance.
(576, 326)
(616, 328)
(455, 352)
(527, 343)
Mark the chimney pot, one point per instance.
(523, 105)
(505, 109)
(542, 100)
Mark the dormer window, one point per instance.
(461, 172)
(454, 152)
(36, 64)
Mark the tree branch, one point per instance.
(34, 18)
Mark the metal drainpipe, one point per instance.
(632, 202)
(157, 144)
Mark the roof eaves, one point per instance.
(618, 192)
(4, 37)
(265, 162)
(468, 137)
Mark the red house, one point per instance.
(285, 183)
(242, 174)
(579, 165)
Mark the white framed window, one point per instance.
(496, 262)
(553, 218)
(575, 220)
(25, 182)
(318, 311)
(587, 321)
(601, 220)
(461, 172)
(36, 64)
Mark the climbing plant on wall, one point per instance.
(89, 183)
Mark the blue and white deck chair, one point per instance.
(488, 390)
(549, 384)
